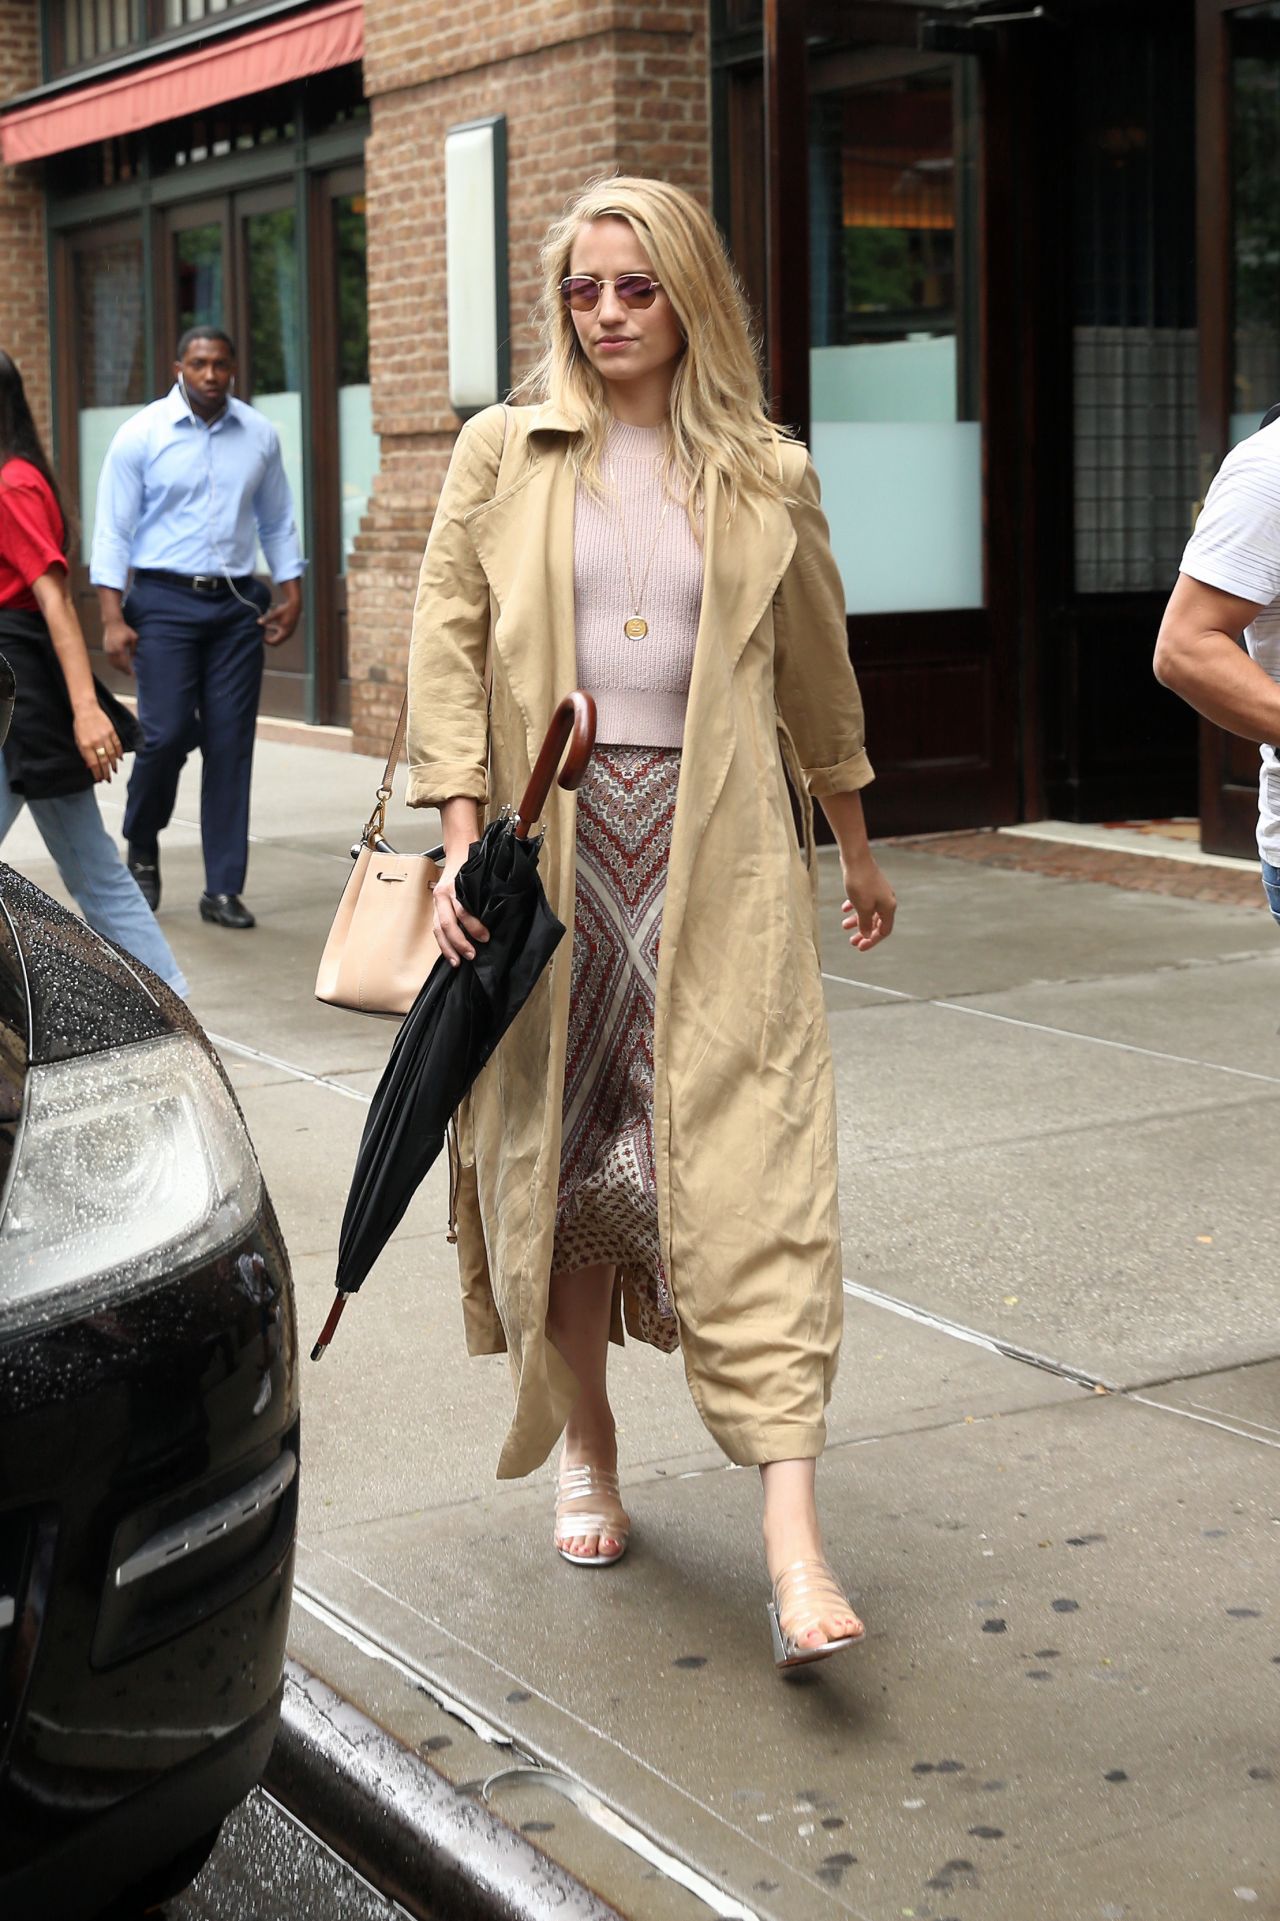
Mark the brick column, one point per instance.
(587, 87)
(24, 291)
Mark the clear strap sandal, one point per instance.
(588, 1502)
(804, 1593)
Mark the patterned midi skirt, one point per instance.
(607, 1208)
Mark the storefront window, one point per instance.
(895, 433)
(1255, 155)
(110, 353)
(357, 442)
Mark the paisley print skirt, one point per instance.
(607, 1209)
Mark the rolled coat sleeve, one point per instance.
(816, 689)
(448, 731)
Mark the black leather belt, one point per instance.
(196, 583)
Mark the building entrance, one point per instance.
(237, 230)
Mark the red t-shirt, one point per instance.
(30, 532)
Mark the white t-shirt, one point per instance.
(1236, 548)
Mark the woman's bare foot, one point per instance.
(578, 1315)
(808, 1614)
(588, 1492)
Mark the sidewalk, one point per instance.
(1052, 1471)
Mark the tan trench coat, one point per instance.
(744, 1107)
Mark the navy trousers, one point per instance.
(199, 673)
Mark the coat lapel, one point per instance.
(746, 558)
(524, 537)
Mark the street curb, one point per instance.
(438, 1852)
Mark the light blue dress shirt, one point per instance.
(193, 499)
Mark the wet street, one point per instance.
(267, 1867)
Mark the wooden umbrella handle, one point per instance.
(576, 717)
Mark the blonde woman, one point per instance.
(654, 1142)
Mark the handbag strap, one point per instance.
(375, 826)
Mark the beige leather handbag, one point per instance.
(382, 944)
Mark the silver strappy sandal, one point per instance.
(804, 1592)
(588, 1502)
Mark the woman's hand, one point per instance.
(870, 903)
(455, 929)
(97, 740)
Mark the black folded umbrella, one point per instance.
(461, 1013)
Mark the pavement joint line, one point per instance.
(1100, 1040)
(288, 1067)
(524, 1681)
(991, 1342)
(1247, 1419)
(1060, 1033)
(341, 1624)
(1227, 1427)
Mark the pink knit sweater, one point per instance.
(640, 687)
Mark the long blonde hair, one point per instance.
(718, 418)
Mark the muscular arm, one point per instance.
(1198, 656)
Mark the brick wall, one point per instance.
(586, 87)
(24, 302)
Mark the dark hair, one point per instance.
(19, 438)
(204, 333)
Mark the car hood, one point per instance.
(68, 991)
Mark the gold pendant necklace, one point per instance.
(636, 627)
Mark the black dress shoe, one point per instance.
(144, 865)
(225, 910)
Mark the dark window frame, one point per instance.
(149, 37)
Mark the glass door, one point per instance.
(1238, 252)
(197, 277)
(345, 445)
(270, 341)
(234, 262)
(895, 427)
(908, 408)
(103, 361)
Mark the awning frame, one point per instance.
(292, 43)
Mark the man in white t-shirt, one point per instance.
(1229, 585)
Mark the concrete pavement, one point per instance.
(1052, 1472)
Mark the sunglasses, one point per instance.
(582, 294)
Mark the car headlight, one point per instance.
(130, 1163)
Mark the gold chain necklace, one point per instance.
(636, 627)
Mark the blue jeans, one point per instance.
(1271, 887)
(93, 872)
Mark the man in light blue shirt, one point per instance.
(189, 487)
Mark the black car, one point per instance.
(148, 1430)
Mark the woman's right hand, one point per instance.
(456, 931)
(97, 741)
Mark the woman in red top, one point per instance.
(67, 733)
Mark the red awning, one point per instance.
(266, 56)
